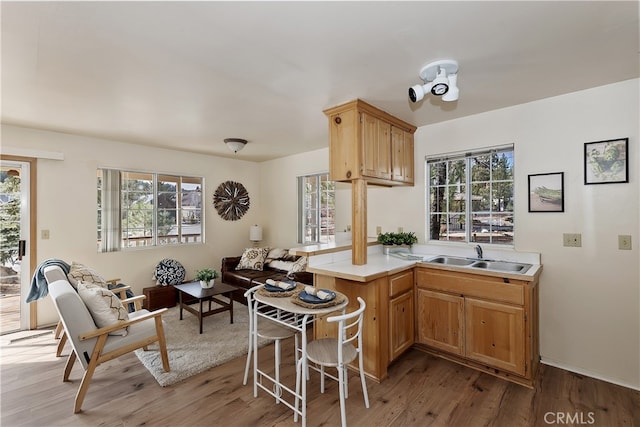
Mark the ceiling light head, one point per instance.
(417, 92)
(235, 144)
(441, 83)
(454, 92)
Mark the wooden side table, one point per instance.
(159, 297)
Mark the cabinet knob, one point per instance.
(337, 120)
(348, 174)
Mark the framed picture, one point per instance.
(606, 162)
(546, 192)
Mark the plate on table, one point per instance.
(273, 288)
(312, 299)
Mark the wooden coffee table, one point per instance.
(194, 290)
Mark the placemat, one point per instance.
(299, 288)
(339, 299)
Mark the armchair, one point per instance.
(53, 272)
(91, 345)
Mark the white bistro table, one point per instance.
(285, 312)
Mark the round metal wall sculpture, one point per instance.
(231, 200)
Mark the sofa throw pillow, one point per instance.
(276, 253)
(253, 259)
(278, 264)
(104, 306)
(299, 265)
(169, 272)
(82, 273)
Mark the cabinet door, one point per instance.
(495, 334)
(400, 324)
(376, 147)
(402, 155)
(440, 321)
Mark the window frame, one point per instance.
(317, 208)
(118, 238)
(497, 217)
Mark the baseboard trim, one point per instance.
(559, 365)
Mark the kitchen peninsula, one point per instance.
(482, 318)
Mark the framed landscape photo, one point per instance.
(606, 162)
(546, 192)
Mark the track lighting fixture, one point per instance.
(441, 79)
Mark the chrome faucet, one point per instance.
(479, 251)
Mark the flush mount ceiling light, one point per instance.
(235, 144)
(440, 78)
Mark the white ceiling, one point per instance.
(186, 75)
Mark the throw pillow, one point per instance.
(299, 265)
(280, 265)
(104, 306)
(253, 259)
(169, 272)
(276, 253)
(80, 273)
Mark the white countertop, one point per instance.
(379, 265)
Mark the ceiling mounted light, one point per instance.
(235, 144)
(440, 78)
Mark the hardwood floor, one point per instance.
(421, 391)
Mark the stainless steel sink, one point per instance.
(512, 267)
(451, 260)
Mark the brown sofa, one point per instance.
(246, 279)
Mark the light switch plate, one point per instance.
(378, 230)
(572, 240)
(624, 242)
(400, 229)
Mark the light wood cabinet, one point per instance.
(368, 143)
(495, 334)
(402, 169)
(488, 323)
(440, 320)
(401, 313)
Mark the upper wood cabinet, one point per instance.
(366, 142)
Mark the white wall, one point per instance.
(589, 296)
(67, 205)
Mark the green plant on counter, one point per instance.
(206, 274)
(390, 239)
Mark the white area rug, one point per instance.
(190, 352)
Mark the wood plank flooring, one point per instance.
(421, 391)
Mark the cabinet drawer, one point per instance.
(493, 288)
(401, 282)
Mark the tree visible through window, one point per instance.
(316, 207)
(470, 197)
(129, 216)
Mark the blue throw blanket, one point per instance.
(39, 287)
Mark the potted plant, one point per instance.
(393, 242)
(207, 277)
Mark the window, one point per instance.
(129, 216)
(316, 208)
(470, 197)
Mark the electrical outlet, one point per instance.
(44, 234)
(378, 230)
(572, 240)
(400, 229)
(624, 242)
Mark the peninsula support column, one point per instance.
(359, 221)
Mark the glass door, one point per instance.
(14, 257)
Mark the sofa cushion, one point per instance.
(299, 265)
(253, 259)
(81, 273)
(104, 306)
(276, 253)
